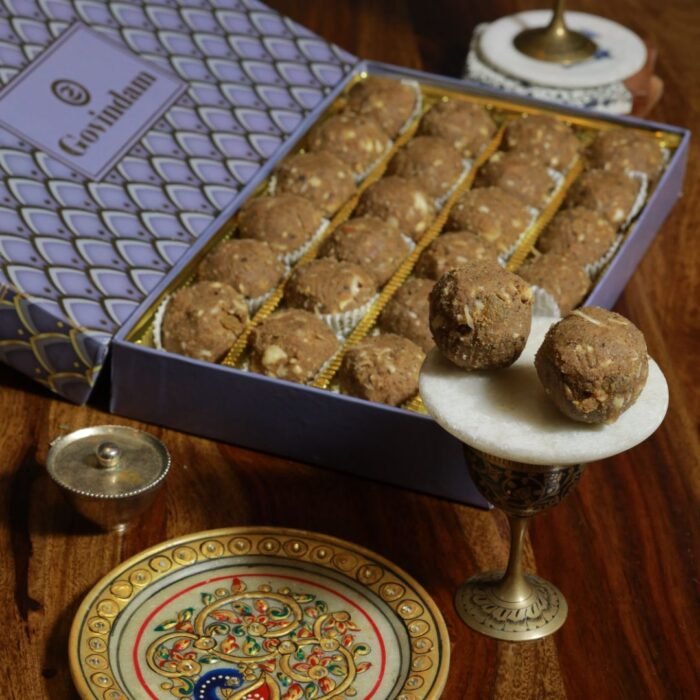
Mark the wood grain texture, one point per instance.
(623, 548)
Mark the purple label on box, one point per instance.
(100, 97)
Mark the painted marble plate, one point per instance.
(258, 614)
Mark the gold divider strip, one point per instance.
(415, 404)
(545, 216)
(402, 274)
(236, 353)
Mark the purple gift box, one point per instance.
(126, 130)
(164, 117)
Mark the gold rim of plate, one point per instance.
(413, 607)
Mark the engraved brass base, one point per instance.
(539, 614)
(512, 605)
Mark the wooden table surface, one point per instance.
(623, 548)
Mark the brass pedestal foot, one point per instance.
(539, 614)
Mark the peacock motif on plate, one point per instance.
(264, 644)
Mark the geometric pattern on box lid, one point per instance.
(77, 255)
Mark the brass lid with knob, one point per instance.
(109, 472)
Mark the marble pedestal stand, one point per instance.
(524, 456)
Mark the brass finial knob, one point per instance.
(108, 455)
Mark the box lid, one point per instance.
(125, 129)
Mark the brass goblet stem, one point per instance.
(514, 586)
(512, 605)
(555, 43)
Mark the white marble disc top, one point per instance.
(506, 413)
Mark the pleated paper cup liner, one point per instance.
(666, 153)
(557, 177)
(565, 169)
(343, 324)
(505, 256)
(595, 268)
(467, 165)
(255, 303)
(290, 258)
(543, 303)
(641, 198)
(418, 107)
(158, 322)
(410, 242)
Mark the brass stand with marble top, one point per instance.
(525, 457)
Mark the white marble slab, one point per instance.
(506, 413)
